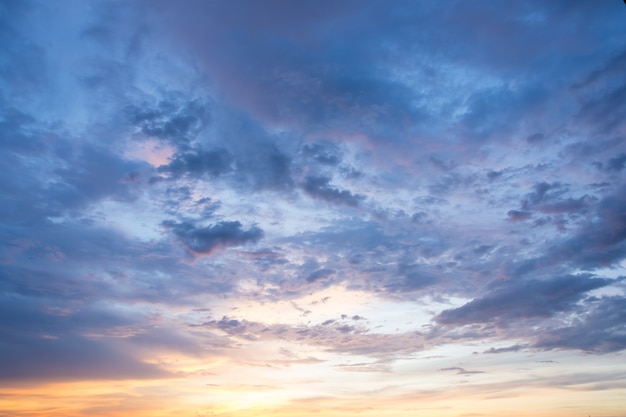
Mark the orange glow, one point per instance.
(193, 397)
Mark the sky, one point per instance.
(272, 208)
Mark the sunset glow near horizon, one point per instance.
(283, 208)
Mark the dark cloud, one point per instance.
(602, 329)
(535, 138)
(444, 166)
(543, 191)
(493, 175)
(418, 217)
(270, 168)
(519, 215)
(617, 163)
(347, 86)
(16, 130)
(63, 262)
(92, 174)
(413, 277)
(71, 359)
(266, 259)
(497, 109)
(24, 67)
(174, 118)
(569, 205)
(598, 241)
(523, 299)
(45, 342)
(69, 178)
(514, 348)
(267, 73)
(608, 111)
(199, 162)
(614, 67)
(320, 274)
(483, 249)
(549, 199)
(450, 182)
(204, 240)
(602, 95)
(261, 161)
(325, 154)
(461, 371)
(319, 188)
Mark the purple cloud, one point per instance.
(319, 188)
(204, 240)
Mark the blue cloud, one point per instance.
(203, 240)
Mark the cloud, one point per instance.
(24, 68)
(617, 163)
(549, 199)
(268, 167)
(601, 330)
(519, 215)
(319, 188)
(535, 138)
(71, 359)
(93, 174)
(204, 240)
(381, 366)
(599, 240)
(173, 118)
(325, 154)
(498, 109)
(523, 299)
(414, 277)
(461, 371)
(320, 274)
(258, 63)
(262, 161)
(69, 178)
(331, 335)
(514, 348)
(570, 205)
(42, 344)
(613, 68)
(544, 191)
(602, 95)
(63, 262)
(199, 162)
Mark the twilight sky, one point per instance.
(280, 208)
